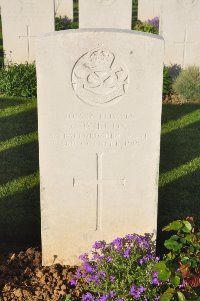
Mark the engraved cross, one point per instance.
(28, 37)
(99, 185)
(185, 44)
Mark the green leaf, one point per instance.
(166, 297)
(174, 237)
(172, 245)
(163, 272)
(175, 281)
(181, 297)
(187, 227)
(185, 260)
(174, 226)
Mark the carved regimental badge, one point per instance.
(98, 78)
(105, 2)
(187, 3)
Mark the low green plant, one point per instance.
(187, 84)
(181, 266)
(121, 270)
(149, 26)
(63, 23)
(18, 80)
(167, 81)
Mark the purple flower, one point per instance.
(84, 257)
(142, 289)
(155, 281)
(89, 268)
(157, 298)
(136, 295)
(141, 261)
(131, 236)
(104, 297)
(127, 253)
(78, 273)
(102, 274)
(73, 282)
(134, 292)
(88, 297)
(117, 243)
(112, 294)
(98, 245)
(109, 259)
(112, 279)
(183, 284)
(154, 22)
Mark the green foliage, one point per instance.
(145, 27)
(187, 84)
(63, 23)
(167, 81)
(182, 264)
(121, 270)
(18, 80)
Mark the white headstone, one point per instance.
(105, 14)
(148, 9)
(22, 22)
(64, 8)
(180, 23)
(99, 104)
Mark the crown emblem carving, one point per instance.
(99, 79)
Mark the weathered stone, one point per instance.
(180, 22)
(64, 8)
(22, 22)
(105, 14)
(148, 9)
(99, 105)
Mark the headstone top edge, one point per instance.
(101, 30)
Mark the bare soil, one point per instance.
(22, 277)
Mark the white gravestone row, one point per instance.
(99, 106)
(22, 22)
(105, 14)
(64, 8)
(180, 22)
(148, 9)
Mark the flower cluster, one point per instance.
(120, 271)
(154, 22)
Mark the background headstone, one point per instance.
(105, 14)
(148, 9)
(64, 8)
(180, 23)
(99, 106)
(22, 22)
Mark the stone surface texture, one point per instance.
(105, 14)
(180, 22)
(22, 22)
(99, 109)
(64, 8)
(148, 9)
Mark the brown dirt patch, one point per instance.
(172, 99)
(22, 277)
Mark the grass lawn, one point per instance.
(179, 188)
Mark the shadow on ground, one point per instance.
(19, 182)
(179, 192)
